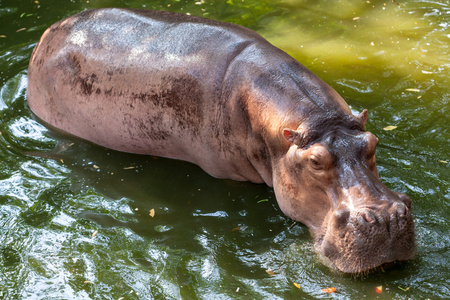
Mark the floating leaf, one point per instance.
(94, 234)
(443, 161)
(412, 90)
(271, 273)
(390, 127)
(405, 290)
(329, 290)
(152, 212)
(379, 289)
(263, 200)
(297, 285)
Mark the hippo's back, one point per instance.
(148, 82)
(99, 69)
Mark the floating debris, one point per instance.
(379, 289)
(390, 127)
(329, 290)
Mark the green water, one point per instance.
(219, 239)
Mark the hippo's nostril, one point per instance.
(405, 211)
(368, 217)
(401, 209)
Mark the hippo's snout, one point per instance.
(359, 239)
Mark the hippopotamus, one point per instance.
(221, 96)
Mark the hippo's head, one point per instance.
(328, 180)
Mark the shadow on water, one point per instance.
(187, 203)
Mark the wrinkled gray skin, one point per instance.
(222, 97)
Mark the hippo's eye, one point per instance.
(314, 163)
(318, 158)
(371, 146)
(371, 160)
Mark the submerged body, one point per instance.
(222, 97)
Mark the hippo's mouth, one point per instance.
(358, 270)
(358, 264)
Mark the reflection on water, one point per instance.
(75, 219)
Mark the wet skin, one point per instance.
(222, 97)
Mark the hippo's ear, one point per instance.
(292, 136)
(362, 118)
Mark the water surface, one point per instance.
(75, 218)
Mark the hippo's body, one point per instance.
(222, 97)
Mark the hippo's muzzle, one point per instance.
(362, 234)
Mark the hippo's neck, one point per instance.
(274, 95)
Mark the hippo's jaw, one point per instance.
(364, 239)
